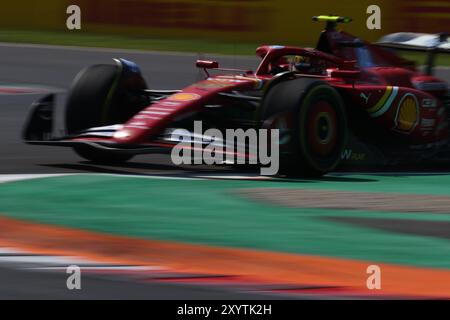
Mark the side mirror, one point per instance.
(349, 65)
(346, 74)
(205, 64)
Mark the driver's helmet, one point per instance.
(302, 63)
(279, 66)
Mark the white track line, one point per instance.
(7, 178)
(4, 178)
(46, 260)
(107, 268)
(23, 177)
(33, 261)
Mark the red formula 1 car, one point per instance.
(346, 101)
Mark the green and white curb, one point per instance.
(214, 212)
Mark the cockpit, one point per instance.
(278, 59)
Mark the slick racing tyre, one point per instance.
(316, 125)
(99, 96)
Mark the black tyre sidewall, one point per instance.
(94, 100)
(88, 97)
(321, 92)
(295, 97)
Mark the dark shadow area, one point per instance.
(323, 179)
(145, 169)
(135, 168)
(346, 179)
(90, 168)
(134, 165)
(172, 167)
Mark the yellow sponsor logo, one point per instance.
(184, 97)
(407, 113)
(212, 84)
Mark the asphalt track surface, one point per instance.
(18, 284)
(55, 67)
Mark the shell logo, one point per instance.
(407, 113)
(184, 97)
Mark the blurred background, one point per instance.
(231, 26)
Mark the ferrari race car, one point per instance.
(344, 102)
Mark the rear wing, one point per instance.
(418, 42)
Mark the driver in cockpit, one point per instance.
(300, 64)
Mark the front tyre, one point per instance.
(103, 95)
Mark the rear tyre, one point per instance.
(99, 97)
(318, 126)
